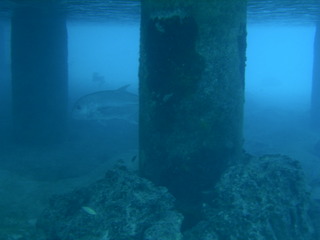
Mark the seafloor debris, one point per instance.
(123, 206)
(260, 198)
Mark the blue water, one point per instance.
(103, 38)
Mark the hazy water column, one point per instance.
(315, 98)
(192, 62)
(39, 74)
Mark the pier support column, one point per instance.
(39, 74)
(315, 94)
(2, 51)
(192, 63)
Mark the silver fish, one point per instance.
(107, 105)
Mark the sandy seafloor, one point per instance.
(29, 176)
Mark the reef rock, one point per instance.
(121, 206)
(263, 199)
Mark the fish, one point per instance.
(89, 210)
(107, 105)
(99, 79)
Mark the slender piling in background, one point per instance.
(315, 94)
(39, 74)
(192, 63)
(5, 103)
(2, 49)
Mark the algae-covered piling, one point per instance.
(192, 61)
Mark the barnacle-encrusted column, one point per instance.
(315, 97)
(39, 74)
(192, 62)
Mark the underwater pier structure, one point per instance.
(2, 50)
(39, 74)
(315, 93)
(192, 65)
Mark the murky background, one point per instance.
(103, 44)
